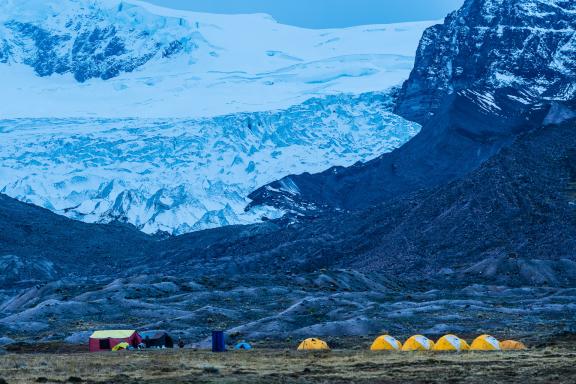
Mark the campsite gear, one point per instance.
(418, 343)
(106, 340)
(243, 346)
(121, 346)
(157, 339)
(485, 343)
(386, 343)
(313, 344)
(181, 343)
(218, 341)
(512, 345)
(451, 343)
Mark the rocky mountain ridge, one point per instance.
(472, 126)
(528, 44)
(89, 39)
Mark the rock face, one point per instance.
(494, 43)
(88, 39)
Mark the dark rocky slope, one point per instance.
(36, 244)
(517, 210)
(472, 127)
(490, 44)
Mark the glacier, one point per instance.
(119, 110)
(159, 62)
(182, 175)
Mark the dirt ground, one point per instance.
(554, 364)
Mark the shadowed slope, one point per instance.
(27, 231)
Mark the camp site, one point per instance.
(288, 191)
(131, 356)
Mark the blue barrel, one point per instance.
(218, 341)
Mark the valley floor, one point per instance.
(546, 364)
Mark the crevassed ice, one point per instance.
(182, 175)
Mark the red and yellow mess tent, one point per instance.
(107, 340)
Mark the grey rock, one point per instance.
(528, 44)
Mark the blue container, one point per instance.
(218, 341)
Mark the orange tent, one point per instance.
(512, 345)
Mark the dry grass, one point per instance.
(547, 365)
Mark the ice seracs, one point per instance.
(157, 117)
(181, 175)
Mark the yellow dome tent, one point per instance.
(386, 343)
(485, 343)
(120, 347)
(512, 345)
(451, 343)
(313, 345)
(418, 343)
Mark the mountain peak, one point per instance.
(494, 43)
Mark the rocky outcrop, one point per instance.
(529, 44)
(87, 41)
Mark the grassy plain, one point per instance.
(552, 364)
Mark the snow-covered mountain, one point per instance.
(178, 175)
(165, 119)
(157, 117)
(160, 62)
(529, 44)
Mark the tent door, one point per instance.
(104, 343)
